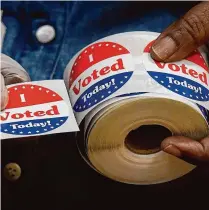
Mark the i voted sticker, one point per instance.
(99, 71)
(34, 110)
(188, 78)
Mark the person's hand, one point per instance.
(175, 43)
(11, 72)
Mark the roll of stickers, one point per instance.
(126, 104)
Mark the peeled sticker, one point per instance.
(37, 108)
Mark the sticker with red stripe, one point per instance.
(195, 57)
(93, 54)
(99, 71)
(188, 78)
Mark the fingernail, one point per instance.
(171, 149)
(164, 48)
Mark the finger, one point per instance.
(13, 75)
(4, 94)
(183, 36)
(12, 71)
(184, 147)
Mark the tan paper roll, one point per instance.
(122, 159)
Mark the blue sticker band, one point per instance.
(182, 86)
(101, 90)
(30, 127)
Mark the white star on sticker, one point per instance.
(95, 101)
(5, 130)
(47, 91)
(53, 95)
(161, 81)
(169, 86)
(76, 107)
(120, 48)
(190, 95)
(61, 120)
(114, 46)
(109, 91)
(13, 131)
(92, 47)
(79, 107)
(45, 129)
(21, 132)
(85, 51)
(201, 97)
(89, 104)
(75, 64)
(57, 124)
(79, 57)
(126, 77)
(51, 127)
(107, 45)
(176, 90)
(116, 87)
(100, 45)
(15, 88)
(84, 106)
(8, 91)
(206, 97)
(197, 97)
(40, 88)
(37, 131)
(23, 87)
(184, 93)
(32, 87)
(102, 96)
(156, 76)
(29, 132)
(121, 82)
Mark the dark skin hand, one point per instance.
(175, 43)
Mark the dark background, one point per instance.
(55, 177)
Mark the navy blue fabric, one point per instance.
(77, 24)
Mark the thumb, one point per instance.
(4, 94)
(186, 148)
(184, 36)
